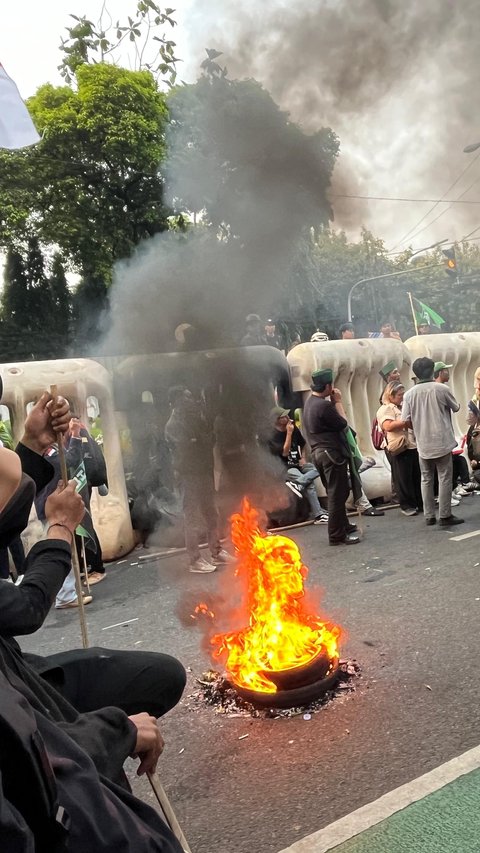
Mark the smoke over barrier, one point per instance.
(395, 80)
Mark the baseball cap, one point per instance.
(277, 412)
(440, 365)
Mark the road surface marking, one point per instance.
(118, 624)
(464, 536)
(373, 813)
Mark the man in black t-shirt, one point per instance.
(324, 421)
(287, 443)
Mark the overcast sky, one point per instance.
(400, 90)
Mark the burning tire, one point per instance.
(302, 694)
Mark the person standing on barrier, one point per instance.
(325, 423)
(429, 406)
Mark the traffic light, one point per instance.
(450, 262)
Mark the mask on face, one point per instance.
(14, 518)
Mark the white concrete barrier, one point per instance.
(356, 365)
(462, 350)
(78, 379)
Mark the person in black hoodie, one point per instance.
(108, 700)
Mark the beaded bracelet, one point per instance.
(59, 524)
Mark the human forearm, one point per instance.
(23, 608)
(107, 736)
(340, 410)
(388, 426)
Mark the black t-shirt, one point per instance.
(276, 442)
(324, 426)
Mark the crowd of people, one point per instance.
(428, 467)
(258, 333)
(90, 709)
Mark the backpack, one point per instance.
(378, 438)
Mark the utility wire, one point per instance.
(451, 187)
(409, 200)
(429, 224)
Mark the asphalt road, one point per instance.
(408, 598)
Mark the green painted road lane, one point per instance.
(447, 821)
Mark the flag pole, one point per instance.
(85, 567)
(75, 560)
(413, 313)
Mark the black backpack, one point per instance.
(27, 782)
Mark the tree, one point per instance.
(61, 305)
(89, 43)
(92, 186)
(239, 160)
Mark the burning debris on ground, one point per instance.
(285, 655)
(215, 690)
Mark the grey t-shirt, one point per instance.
(429, 406)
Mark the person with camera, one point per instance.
(287, 443)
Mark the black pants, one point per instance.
(18, 556)
(132, 680)
(460, 470)
(333, 469)
(407, 479)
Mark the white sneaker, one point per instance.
(223, 557)
(321, 519)
(202, 566)
(454, 502)
(461, 491)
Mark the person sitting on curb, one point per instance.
(287, 443)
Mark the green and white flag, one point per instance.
(85, 528)
(424, 314)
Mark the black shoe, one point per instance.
(351, 528)
(450, 521)
(351, 539)
(430, 521)
(373, 511)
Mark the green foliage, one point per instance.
(326, 268)
(88, 43)
(237, 159)
(92, 186)
(35, 308)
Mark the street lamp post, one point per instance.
(385, 275)
(388, 274)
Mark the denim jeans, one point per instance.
(67, 592)
(305, 477)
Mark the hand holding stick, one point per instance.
(75, 561)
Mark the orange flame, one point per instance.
(282, 633)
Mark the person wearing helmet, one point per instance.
(319, 337)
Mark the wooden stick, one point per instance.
(85, 567)
(167, 810)
(75, 560)
(413, 313)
